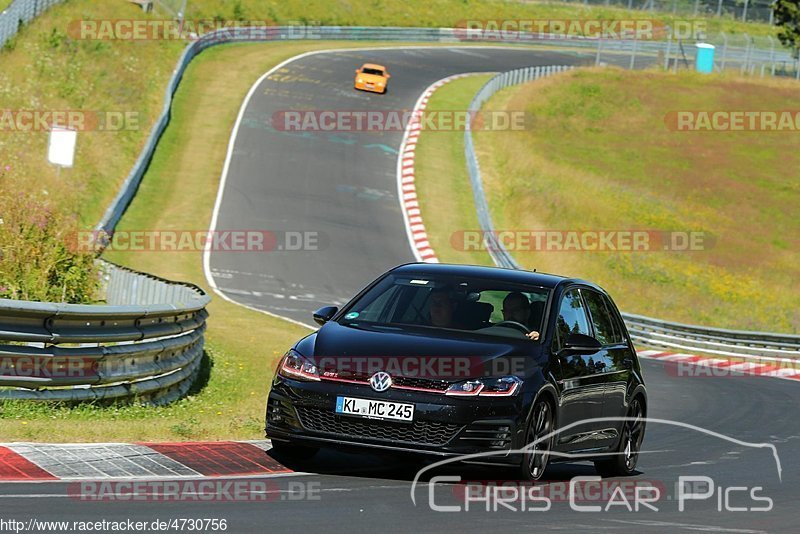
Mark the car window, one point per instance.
(613, 314)
(571, 316)
(448, 303)
(379, 309)
(601, 317)
(414, 310)
(376, 72)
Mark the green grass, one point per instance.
(599, 156)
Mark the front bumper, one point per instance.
(374, 88)
(443, 425)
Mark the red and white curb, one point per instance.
(406, 188)
(692, 365)
(28, 462)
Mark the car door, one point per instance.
(581, 377)
(616, 360)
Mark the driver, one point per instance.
(517, 308)
(442, 308)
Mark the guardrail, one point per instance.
(643, 330)
(146, 343)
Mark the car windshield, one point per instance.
(450, 304)
(376, 72)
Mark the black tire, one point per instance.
(293, 451)
(534, 462)
(623, 463)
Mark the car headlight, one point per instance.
(380, 84)
(361, 80)
(295, 366)
(505, 386)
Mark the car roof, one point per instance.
(515, 276)
(373, 66)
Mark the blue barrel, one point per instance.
(705, 57)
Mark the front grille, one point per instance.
(424, 383)
(399, 381)
(418, 432)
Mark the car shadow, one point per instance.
(404, 467)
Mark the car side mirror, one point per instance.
(324, 314)
(388, 75)
(581, 343)
(358, 70)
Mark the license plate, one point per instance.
(375, 409)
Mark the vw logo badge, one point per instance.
(380, 381)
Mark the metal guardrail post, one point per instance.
(597, 56)
(724, 50)
(771, 54)
(746, 63)
(666, 54)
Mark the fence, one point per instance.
(644, 330)
(744, 10)
(146, 343)
(21, 12)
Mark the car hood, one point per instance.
(418, 352)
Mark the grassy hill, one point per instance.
(601, 153)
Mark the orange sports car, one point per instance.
(371, 77)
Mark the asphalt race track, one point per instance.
(363, 493)
(343, 186)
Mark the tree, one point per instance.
(787, 18)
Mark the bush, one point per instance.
(38, 259)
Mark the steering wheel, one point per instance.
(514, 324)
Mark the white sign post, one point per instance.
(61, 148)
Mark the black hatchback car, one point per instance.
(451, 360)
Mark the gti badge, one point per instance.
(380, 381)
